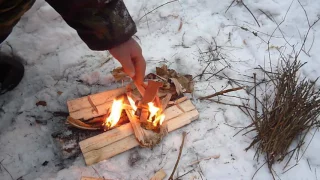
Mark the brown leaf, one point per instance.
(186, 83)
(59, 92)
(151, 76)
(119, 74)
(41, 103)
(177, 84)
(162, 72)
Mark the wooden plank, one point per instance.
(82, 108)
(129, 142)
(111, 150)
(176, 111)
(106, 138)
(88, 113)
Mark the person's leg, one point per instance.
(11, 68)
(11, 72)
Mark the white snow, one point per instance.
(56, 60)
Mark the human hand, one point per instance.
(129, 54)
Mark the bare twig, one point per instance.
(157, 8)
(221, 93)
(180, 152)
(255, 97)
(250, 12)
(230, 5)
(184, 174)
(6, 169)
(258, 169)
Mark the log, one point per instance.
(116, 141)
(95, 105)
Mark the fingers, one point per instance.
(140, 68)
(128, 66)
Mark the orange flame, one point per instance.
(115, 114)
(133, 105)
(153, 111)
(155, 117)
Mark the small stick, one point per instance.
(207, 158)
(93, 106)
(180, 152)
(178, 101)
(6, 169)
(157, 8)
(255, 97)
(221, 93)
(250, 12)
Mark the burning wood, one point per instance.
(152, 111)
(121, 139)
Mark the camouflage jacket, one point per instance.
(101, 24)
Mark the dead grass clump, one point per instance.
(287, 114)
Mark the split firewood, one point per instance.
(81, 108)
(145, 137)
(152, 90)
(160, 175)
(149, 96)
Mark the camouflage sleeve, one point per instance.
(101, 24)
(10, 13)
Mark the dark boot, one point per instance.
(11, 72)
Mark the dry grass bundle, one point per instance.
(287, 114)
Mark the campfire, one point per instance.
(134, 115)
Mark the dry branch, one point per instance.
(180, 152)
(221, 93)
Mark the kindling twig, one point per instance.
(6, 169)
(221, 93)
(180, 152)
(241, 1)
(157, 8)
(255, 97)
(92, 105)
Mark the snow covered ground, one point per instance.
(59, 66)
